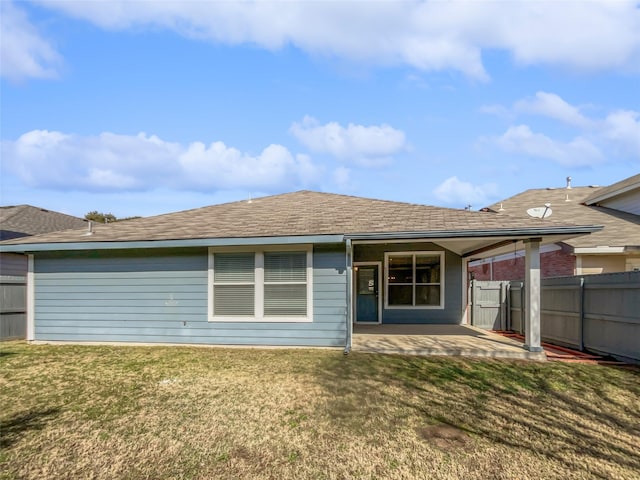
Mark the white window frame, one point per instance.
(259, 283)
(387, 255)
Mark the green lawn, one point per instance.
(173, 412)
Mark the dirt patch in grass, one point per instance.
(194, 413)
(445, 437)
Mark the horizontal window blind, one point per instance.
(234, 300)
(233, 284)
(262, 285)
(285, 267)
(285, 300)
(234, 267)
(285, 284)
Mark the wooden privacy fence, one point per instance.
(599, 313)
(13, 322)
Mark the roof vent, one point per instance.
(89, 228)
(501, 209)
(568, 183)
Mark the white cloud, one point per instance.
(342, 178)
(111, 162)
(497, 110)
(367, 145)
(553, 106)
(623, 129)
(521, 140)
(23, 51)
(223, 167)
(427, 35)
(617, 133)
(457, 192)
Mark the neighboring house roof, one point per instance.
(619, 188)
(26, 220)
(621, 229)
(299, 214)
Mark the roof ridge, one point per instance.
(307, 191)
(381, 200)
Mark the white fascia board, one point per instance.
(598, 250)
(525, 232)
(195, 242)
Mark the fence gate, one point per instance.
(13, 307)
(489, 304)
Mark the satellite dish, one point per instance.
(540, 212)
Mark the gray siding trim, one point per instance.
(161, 297)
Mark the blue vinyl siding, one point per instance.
(452, 312)
(161, 297)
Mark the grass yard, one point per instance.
(207, 413)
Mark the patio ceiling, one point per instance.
(478, 248)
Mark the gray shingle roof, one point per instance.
(24, 220)
(291, 214)
(620, 229)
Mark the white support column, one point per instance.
(31, 303)
(532, 295)
(349, 312)
(464, 320)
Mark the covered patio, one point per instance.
(439, 326)
(455, 340)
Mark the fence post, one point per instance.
(581, 316)
(522, 319)
(472, 299)
(507, 319)
(503, 306)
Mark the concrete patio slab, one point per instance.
(455, 340)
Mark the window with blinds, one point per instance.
(234, 284)
(285, 284)
(269, 285)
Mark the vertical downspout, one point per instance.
(581, 317)
(349, 261)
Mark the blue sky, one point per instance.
(142, 108)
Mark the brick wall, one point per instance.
(554, 264)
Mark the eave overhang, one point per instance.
(571, 231)
(459, 241)
(185, 243)
(480, 243)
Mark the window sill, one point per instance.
(411, 307)
(261, 319)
